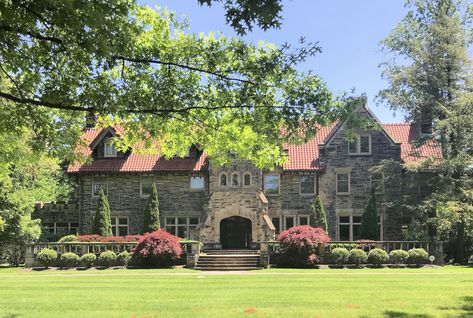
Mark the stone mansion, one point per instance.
(238, 205)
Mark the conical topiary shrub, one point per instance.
(151, 214)
(369, 220)
(317, 215)
(102, 223)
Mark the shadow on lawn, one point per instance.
(466, 308)
(466, 311)
(400, 314)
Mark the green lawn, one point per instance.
(402, 293)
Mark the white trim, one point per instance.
(358, 146)
(196, 189)
(176, 224)
(279, 223)
(115, 223)
(93, 183)
(300, 185)
(294, 221)
(279, 184)
(336, 183)
(350, 223)
(381, 189)
(141, 185)
(109, 142)
(303, 216)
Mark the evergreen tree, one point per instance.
(102, 223)
(369, 220)
(317, 215)
(430, 76)
(151, 215)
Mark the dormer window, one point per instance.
(361, 145)
(110, 150)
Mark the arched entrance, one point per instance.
(235, 232)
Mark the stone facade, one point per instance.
(124, 196)
(242, 196)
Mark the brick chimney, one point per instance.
(90, 120)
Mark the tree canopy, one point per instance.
(430, 76)
(242, 15)
(136, 66)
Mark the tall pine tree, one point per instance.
(369, 220)
(151, 213)
(430, 76)
(317, 214)
(102, 223)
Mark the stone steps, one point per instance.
(228, 260)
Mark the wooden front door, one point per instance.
(235, 232)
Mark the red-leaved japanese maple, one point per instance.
(300, 245)
(158, 248)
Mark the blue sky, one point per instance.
(348, 31)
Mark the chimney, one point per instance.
(90, 120)
(423, 121)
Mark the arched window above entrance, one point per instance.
(223, 180)
(235, 179)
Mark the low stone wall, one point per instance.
(191, 249)
(271, 249)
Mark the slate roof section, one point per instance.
(300, 157)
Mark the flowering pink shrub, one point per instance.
(158, 248)
(108, 239)
(300, 245)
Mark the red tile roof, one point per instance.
(405, 133)
(306, 156)
(133, 162)
(300, 157)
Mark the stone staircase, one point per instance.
(228, 260)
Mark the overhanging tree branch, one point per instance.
(187, 67)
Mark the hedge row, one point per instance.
(48, 257)
(379, 256)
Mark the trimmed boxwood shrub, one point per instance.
(123, 258)
(87, 260)
(398, 256)
(47, 257)
(300, 242)
(378, 256)
(340, 255)
(107, 258)
(68, 238)
(158, 249)
(418, 256)
(358, 256)
(69, 259)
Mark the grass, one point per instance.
(392, 293)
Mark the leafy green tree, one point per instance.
(317, 214)
(430, 77)
(151, 214)
(369, 220)
(136, 66)
(27, 175)
(243, 14)
(102, 223)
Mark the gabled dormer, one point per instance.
(103, 146)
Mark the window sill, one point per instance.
(360, 154)
(343, 193)
(307, 194)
